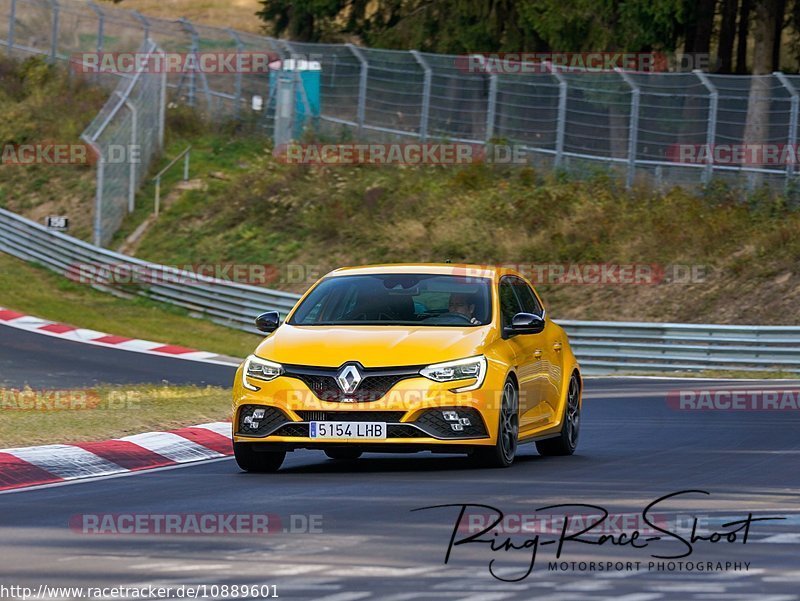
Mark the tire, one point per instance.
(567, 440)
(505, 449)
(257, 461)
(343, 454)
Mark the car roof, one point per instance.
(493, 272)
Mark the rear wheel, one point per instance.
(343, 454)
(567, 440)
(251, 460)
(503, 452)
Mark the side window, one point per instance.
(527, 299)
(509, 304)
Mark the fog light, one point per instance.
(464, 421)
(457, 427)
(259, 414)
(450, 416)
(251, 423)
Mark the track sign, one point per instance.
(57, 223)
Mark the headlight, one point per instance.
(257, 368)
(463, 369)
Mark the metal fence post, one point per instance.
(97, 227)
(134, 143)
(237, 101)
(54, 31)
(98, 203)
(426, 95)
(711, 130)
(298, 80)
(633, 126)
(362, 86)
(157, 201)
(491, 106)
(792, 120)
(12, 18)
(131, 163)
(561, 125)
(285, 100)
(145, 23)
(195, 50)
(101, 17)
(162, 105)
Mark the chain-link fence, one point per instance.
(126, 136)
(633, 124)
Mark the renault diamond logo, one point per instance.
(349, 378)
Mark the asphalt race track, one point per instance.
(36, 360)
(366, 543)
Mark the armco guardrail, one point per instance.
(606, 346)
(601, 346)
(229, 303)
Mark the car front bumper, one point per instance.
(420, 414)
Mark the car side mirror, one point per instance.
(525, 323)
(269, 321)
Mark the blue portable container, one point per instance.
(310, 77)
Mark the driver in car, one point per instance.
(460, 303)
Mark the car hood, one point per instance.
(372, 346)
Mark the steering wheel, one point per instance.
(466, 318)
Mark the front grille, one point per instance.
(351, 416)
(273, 417)
(403, 431)
(300, 430)
(433, 422)
(375, 384)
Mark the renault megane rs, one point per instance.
(402, 358)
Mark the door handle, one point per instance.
(557, 346)
(537, 354)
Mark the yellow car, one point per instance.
(403, 358)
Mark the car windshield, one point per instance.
(397, 299)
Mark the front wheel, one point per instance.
(503, 452)
(567, 440)
(251, 460)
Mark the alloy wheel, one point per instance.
(509, 422)
(573, 412)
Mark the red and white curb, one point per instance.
(86, 336)
(49, 464)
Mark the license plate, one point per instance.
(347, 429)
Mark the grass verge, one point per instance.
(31, 289)
(742, 257)
(32, 417)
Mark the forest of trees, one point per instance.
(742, 36)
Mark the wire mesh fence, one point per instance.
(126, 136)
(633, 124)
